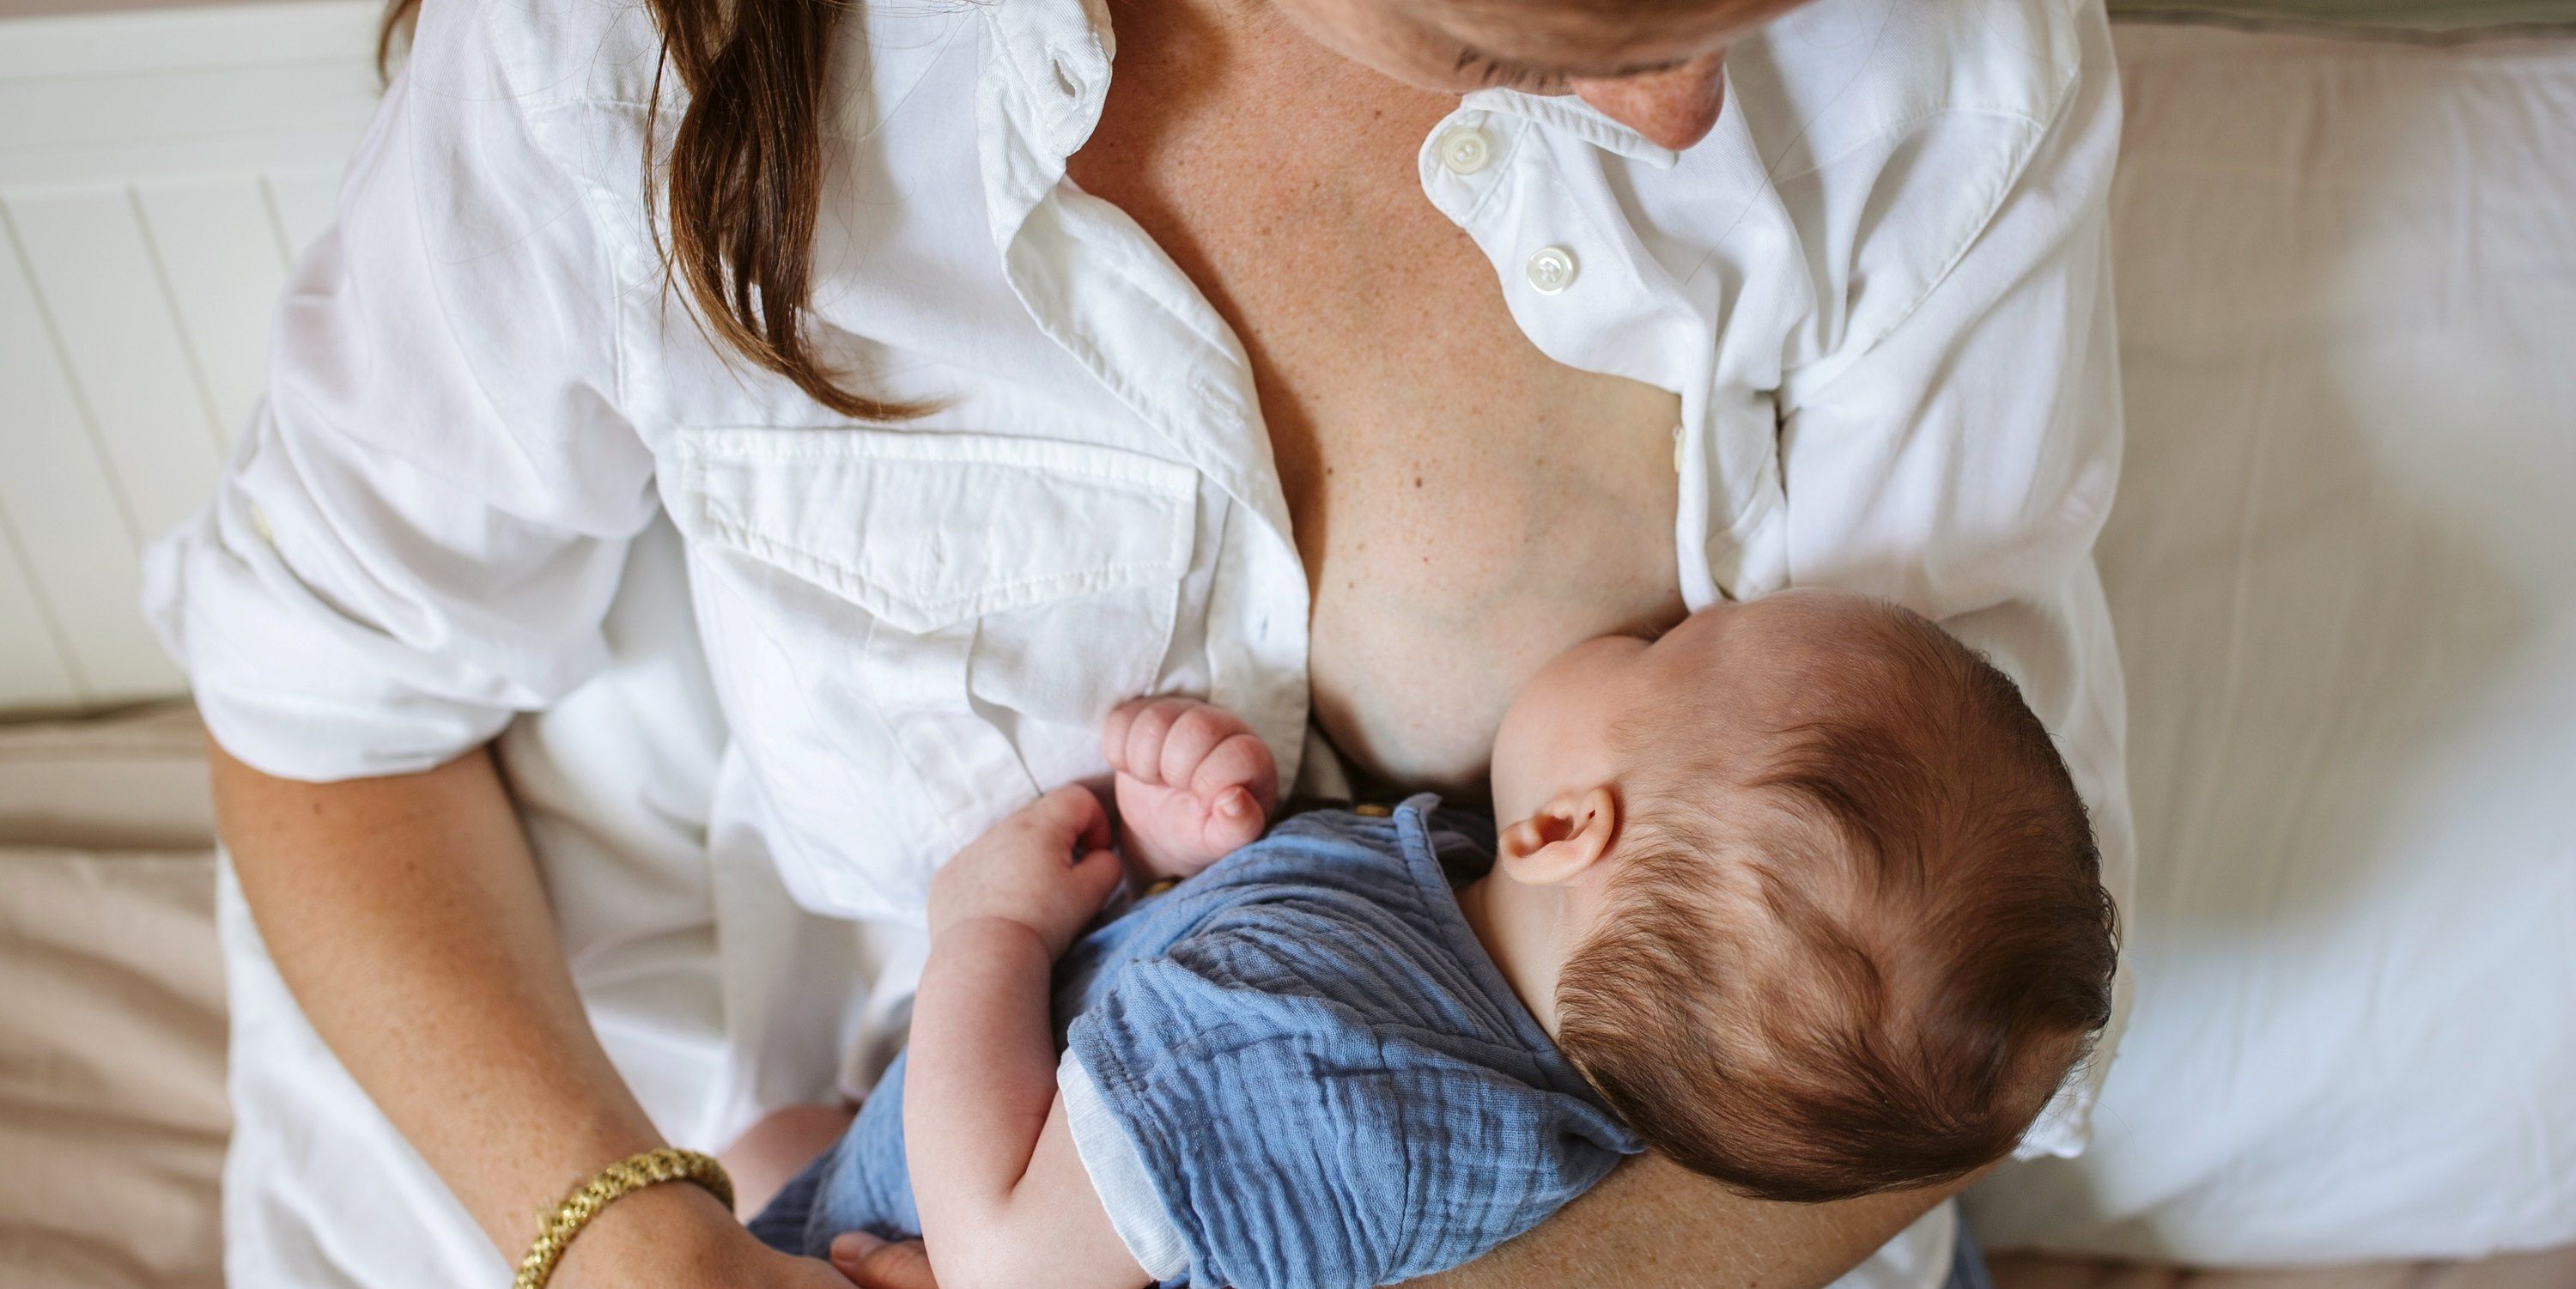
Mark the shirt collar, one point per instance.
(1053, 66)
(1573, 116)
(1056, 55)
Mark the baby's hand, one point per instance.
(1194, 782)
(1047, 866)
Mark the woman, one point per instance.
(985, 388)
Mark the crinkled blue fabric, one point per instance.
(1327, 1080)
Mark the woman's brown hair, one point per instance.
(746, 175)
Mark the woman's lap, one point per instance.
(320, 1192)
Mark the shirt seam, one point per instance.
(1099, 1112)
(1915, 120)
(615, 293)
(753, 543)
(1139, 1102)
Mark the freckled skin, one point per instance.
(1466, 507)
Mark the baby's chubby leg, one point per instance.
(772, 1151)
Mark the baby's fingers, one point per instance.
(1070, 817)
(1096, 873)
(1242, 764)
(1113, 732)
(1132, 740)
(1232, 823)
(1195, 736)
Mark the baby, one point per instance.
(1798, 894)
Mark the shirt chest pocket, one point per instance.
(961, 605)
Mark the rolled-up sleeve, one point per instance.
(1961, 460)
(426, 520)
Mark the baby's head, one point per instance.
(1821, 904)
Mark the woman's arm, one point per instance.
(1655, 1223)
(406, 916)
(1652, 1224)
(1003, 1195)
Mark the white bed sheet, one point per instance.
(2343, 568)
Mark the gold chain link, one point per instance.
(625, 1177)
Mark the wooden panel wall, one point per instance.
(157, 171)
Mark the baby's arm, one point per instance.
(1003, 1196)
(1194, 782)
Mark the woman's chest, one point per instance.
(1464, 506)
(914, 628)
(1465, 509)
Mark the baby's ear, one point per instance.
(1563, 840)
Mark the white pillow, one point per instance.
(2343, 568)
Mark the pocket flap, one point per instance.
(925, 529)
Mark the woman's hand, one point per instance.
(871, 1263)
(676, 1234)
(1047, 867)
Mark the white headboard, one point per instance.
(158, 170)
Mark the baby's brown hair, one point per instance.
(1860, 958)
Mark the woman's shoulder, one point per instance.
(536, 56)
(523, 112)
(1829, 78)
(1894, 132)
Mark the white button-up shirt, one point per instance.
(1879, 288)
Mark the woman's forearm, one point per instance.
(1656, 1225)
(406, 915)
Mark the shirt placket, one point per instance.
(1097, 285)
(1528, 179)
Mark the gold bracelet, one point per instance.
(626, 1176)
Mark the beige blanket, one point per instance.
(111, 1007)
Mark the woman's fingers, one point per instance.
(871, 1263)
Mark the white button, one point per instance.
(1552, 270)
(1466, 150)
